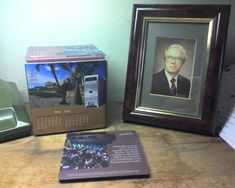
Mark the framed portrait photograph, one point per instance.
(174, 66)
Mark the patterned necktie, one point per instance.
(173, 87)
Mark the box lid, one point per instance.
(63, 53)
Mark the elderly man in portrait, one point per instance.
(168, 81)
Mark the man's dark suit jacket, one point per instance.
(160, 85)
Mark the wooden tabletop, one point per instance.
(176, 159)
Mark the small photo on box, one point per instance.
(72, 83)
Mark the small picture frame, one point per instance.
(175, 58)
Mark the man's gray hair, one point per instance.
(179, 47)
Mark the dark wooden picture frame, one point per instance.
(206, 26)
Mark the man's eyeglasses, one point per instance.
(174, 59)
